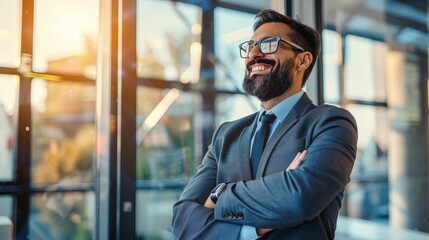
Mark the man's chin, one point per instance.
(257, 77)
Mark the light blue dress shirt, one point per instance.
(281, 110)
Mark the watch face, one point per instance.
(219, 187)
(214, 195)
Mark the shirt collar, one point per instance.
(282, 109)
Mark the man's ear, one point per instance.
(304, 61)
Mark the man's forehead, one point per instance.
(272, 29)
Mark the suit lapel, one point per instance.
(243, 151)
(300, 108)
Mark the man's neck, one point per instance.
(269, 104)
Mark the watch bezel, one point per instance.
(217, 191)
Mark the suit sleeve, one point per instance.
(191, 220)
(289, 198)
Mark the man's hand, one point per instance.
(209, 203)
(294, 164)
(297, 160)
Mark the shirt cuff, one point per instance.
(248, 233)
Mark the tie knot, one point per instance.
(268, 118)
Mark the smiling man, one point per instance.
(279, 173)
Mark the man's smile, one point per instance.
(260, 66)
(259, 69)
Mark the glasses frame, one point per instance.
(257, 42)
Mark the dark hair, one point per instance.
(303, 35)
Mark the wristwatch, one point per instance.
(217, 191)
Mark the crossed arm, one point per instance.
(207, 222)
(322, 176)
(294, 164)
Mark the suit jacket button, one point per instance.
(240, 215)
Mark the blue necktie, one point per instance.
(260, 140)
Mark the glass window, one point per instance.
(367, 194)
(8, 109)
(251, 4)
(372, 143)
(408, 143)
(231, 107)
(167, 153)
(65, 34)
(154, 212)
(62, 215)
(166, 138)
(332, 61)
(168, 48)
(10, 26)
(385, 67)
(231, 28)
(63, 137)
(364, 80)
(6, 217)
(6, 206)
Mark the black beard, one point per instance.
(272, 84)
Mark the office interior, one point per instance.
(108, 106)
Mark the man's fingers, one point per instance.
(302, 155)
(209, 203)
(297, 160)
(263, 231)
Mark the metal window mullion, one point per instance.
(289, 8)
(341, 74)
(107, 95)
(113, 139)
(319, 27)
(23, 157)
(127, 94)
(207, 73)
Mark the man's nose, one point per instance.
(256, 52)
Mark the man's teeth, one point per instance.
(259, 68)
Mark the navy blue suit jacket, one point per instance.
(299, 204)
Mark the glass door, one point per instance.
(375, 59)
(47, 117)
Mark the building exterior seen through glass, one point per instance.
(188, 76)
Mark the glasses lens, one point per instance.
(245, 48)
(269, 45)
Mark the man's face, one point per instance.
(270, 75)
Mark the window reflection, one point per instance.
(165, 135)
(62, 132)
(408, 155)
(332, 61)
(56, 215)
(9, 33)
(8, 108)
(365, 80)
(7, 223)
(168, 47)
(367, 194)
(6, 206)
(65, 36)
(231, 28)
(167, 153)
(231, 107)
(372, 143)
(385, 55)
(153, 213)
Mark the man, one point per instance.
(237, 194)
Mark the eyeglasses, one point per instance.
(267, 45)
